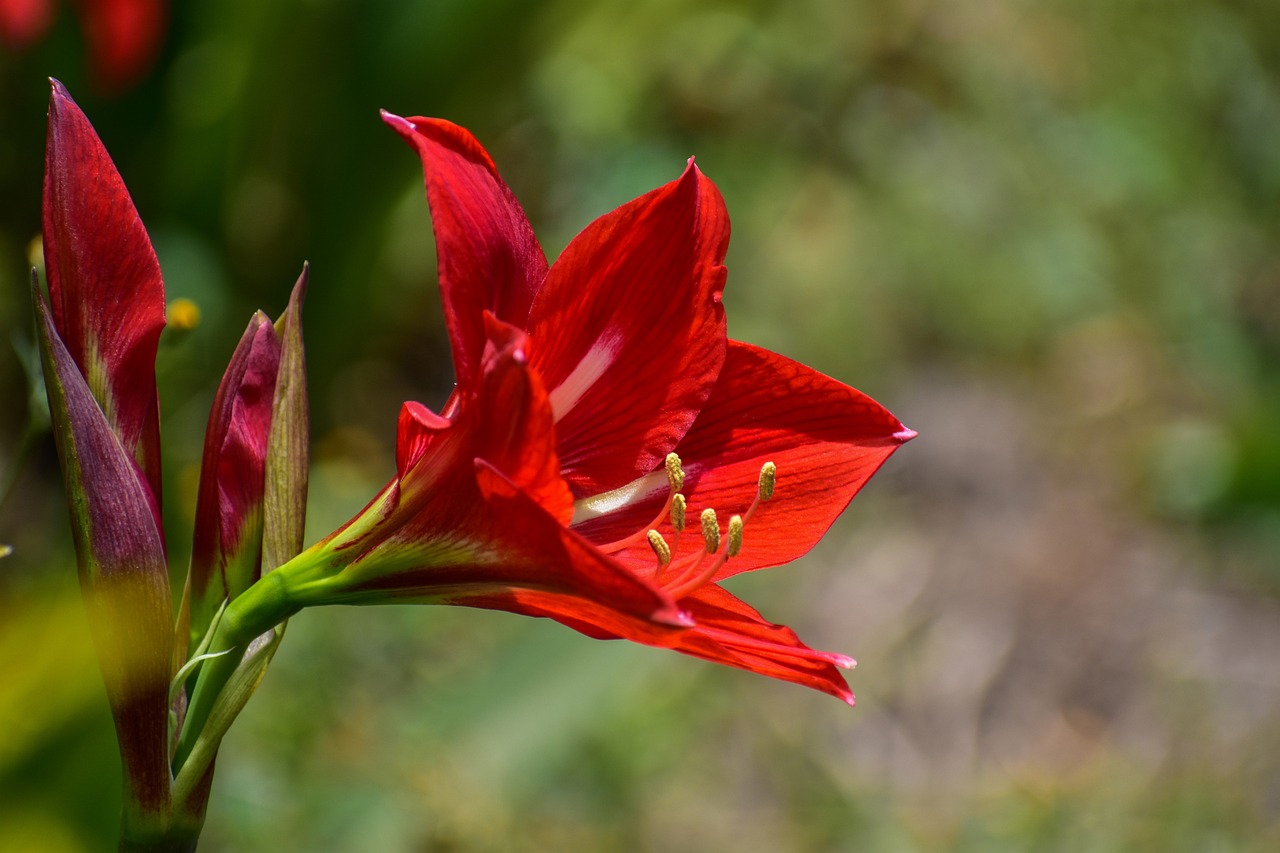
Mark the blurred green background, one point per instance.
(1045, 234)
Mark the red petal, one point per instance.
(731, 632)
(416, 430)
(726, 630)
(630, 331)
(487, 254)
(514, 431)
(826, 439)
(124, 37)
(478, 507)
(443, 542)
(226, 546)
(507, 426)
(104, 279)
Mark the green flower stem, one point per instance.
(257, 610)
(170, 839)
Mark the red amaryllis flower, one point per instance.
(598, 405)
(123, 36)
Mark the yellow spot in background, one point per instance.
(182, 315)
(35, 252)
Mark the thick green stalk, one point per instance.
(257, 610)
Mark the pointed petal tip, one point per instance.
(300, 286)
(58, 96)
(849, 700)
(675, 617)
(400, 124)
(904, 434)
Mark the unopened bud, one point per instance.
(735, 535)
(710, 530)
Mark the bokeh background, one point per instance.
(1045, 234)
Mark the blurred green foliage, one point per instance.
(1049, 226)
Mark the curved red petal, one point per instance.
(731, 632)
(488, 257)
(104, 280)
(630, 332)
(725, 630)
(825, 438)
(418, 427)
(515, 435)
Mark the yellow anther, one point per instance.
(735, 535)
(768, 476)
(660, 548)
(677, 512)
(710, 530)
(182, 315)
(675, 472)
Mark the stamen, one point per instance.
(677, 512)
(735, 535)
(675, 505)
(634, 538)
(710, 530)
(660, 548)
(675, 472)
(693, 576)
(768, 476)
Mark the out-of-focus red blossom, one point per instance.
(23, 22)
(545, 487)
(123, 36)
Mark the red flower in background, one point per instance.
(123, 36)
(598, 405)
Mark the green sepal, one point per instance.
(189, 784)
(288, 448)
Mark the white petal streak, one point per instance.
(603, 504)
(593, 365)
